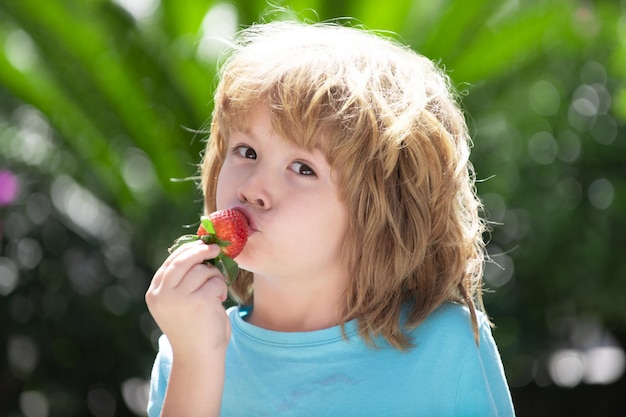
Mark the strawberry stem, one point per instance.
(181, 241)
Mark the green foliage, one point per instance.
(100, 108)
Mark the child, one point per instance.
(359, 293)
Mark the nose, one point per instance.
(254, 191)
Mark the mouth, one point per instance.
(249, 218)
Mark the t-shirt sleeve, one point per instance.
(483, 390)
(159, 377)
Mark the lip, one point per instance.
(249, 218)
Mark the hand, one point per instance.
(185, 298)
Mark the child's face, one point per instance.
(297, 219)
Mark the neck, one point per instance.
(298, 305)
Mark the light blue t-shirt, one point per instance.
(321, 373)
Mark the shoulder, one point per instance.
(451, 324)
(446, 337)
(455, 318)
(479, 374)
(457, 312)
(447, 334)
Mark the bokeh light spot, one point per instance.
(604, 364)
(28, 253)
(604, 129)
(34, 404)
(601, 193)
(218, 27)
(135, 393)
(566, 368)
(20, 50)
(101, 402)
(542, 148)
(586, 101)
(86, 211)
(544, 98)
(8, 276)
(138, 171)
(593, 72)
(499, 271)
(23, 354)
(139, 9)
(494, 206)
(569, 146)
(9, 187)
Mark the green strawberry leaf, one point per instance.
(227, 267)
(207, 225)
(232, 269)
(181, 241)
(208, 239)
(223, 243)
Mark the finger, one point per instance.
(188, 249)
(214, 287)
(197, 276)
(159, 275)
(181, 261)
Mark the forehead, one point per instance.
(254, 122)
(260, 121)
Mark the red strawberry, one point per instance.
(229, 226)
(201, 231)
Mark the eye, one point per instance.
(245, 151)
(303, 169)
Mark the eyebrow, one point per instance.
(247, 133)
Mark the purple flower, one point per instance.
(9, 187)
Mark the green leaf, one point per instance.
(525, 35)
(181, 241)
(372, 15)
(207, 224)
(231, 267)
(226, 266)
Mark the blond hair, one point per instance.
(388, 123)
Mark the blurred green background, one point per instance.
(103, 103)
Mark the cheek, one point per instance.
(340, 226)
(219, 197)
(225, 188)
(330, 225)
